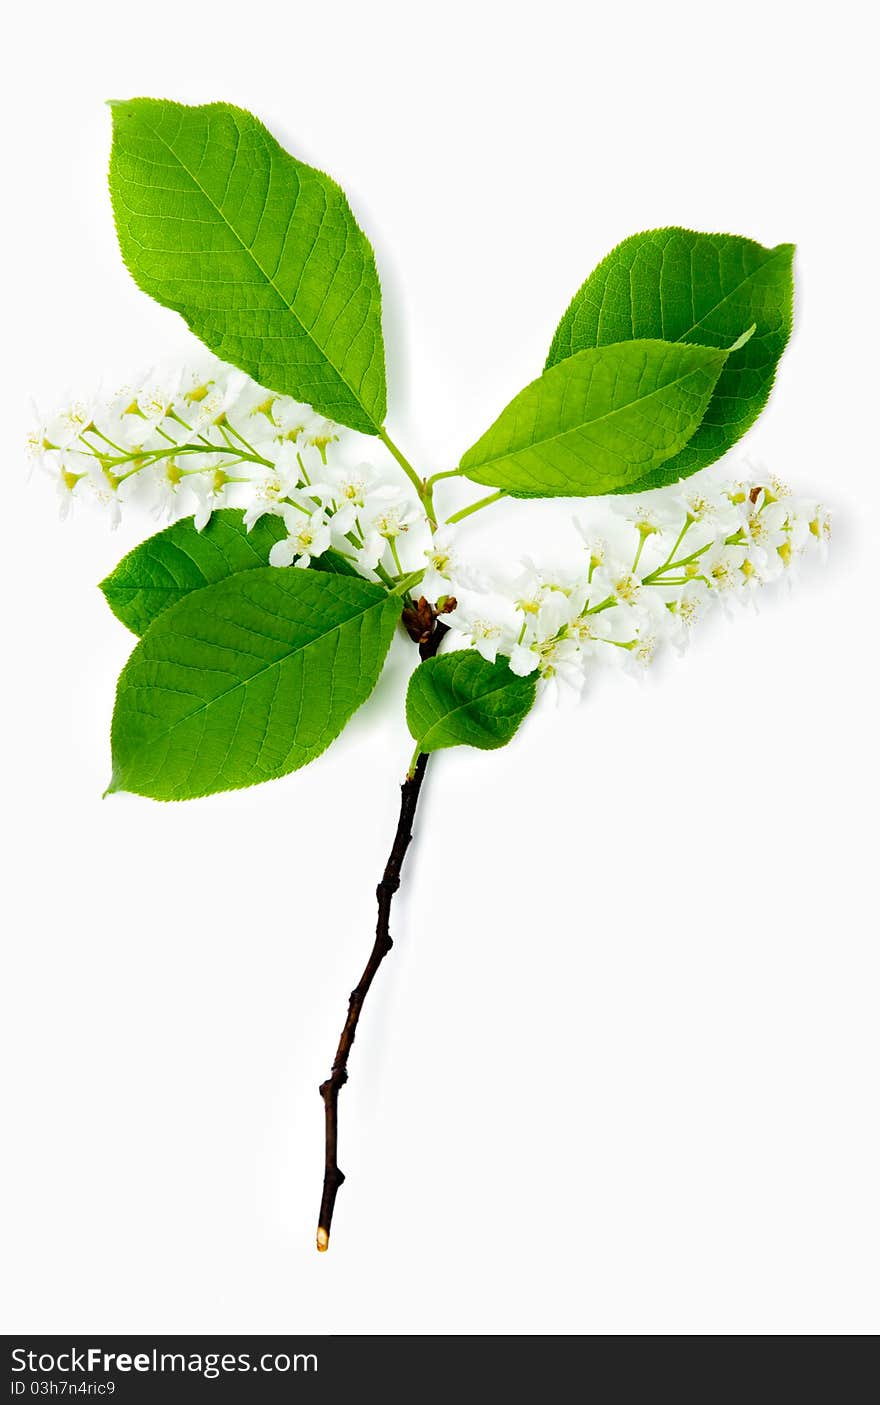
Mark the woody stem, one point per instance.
(388, 885)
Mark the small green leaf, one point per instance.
(259, 253)
(246, 680)
(166, 567)
(689, 287)
(598, 421)
(459, 699)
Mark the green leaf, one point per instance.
(246, 680)
(166, 567)
(334, 563)
(688, 287)
(259, 253)
(459, 699)
(598, 421)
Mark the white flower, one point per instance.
(647, 521)
(168, 478)
(765, 526)
(217, 404)
(722, 566)
(818, 521)
(639, 653)
(211, 491)
(488, 621)
(153, 402)
(69, 484)
(344, 492)
(597, 549)
(560, 659)
(37, 444)
(525, 659)
(123, 429)
(391, 522)
(350, 493)
(308, 535)
(105, 488)
(301, 425)
(486, 635)
(592, 633)
(685, 607)
(711, 506)
(386, 527)
(547, 603)
(698, 505)
(777, 489)
(67, 427)
(622, 585)
(563, 662)
(271, 486)
(289, 416)
(530, 591)
(443, 566)
(320, 434)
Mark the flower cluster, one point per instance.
(692, 547)
(211, 438)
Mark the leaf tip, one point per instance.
(121, 108)
(746, 336)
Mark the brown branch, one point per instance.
(388, 885)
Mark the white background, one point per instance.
(620, 1073)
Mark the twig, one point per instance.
(388, 885)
